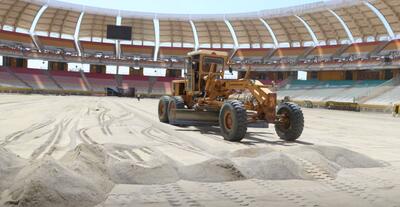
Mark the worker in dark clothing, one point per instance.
(138, 97)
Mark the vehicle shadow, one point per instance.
(251, 138)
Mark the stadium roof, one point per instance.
(315, 23)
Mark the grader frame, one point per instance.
(204, 96)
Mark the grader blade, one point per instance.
(190, 117)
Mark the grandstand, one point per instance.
(346, 48)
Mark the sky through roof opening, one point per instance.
(191, 6)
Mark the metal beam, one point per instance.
(34, 23)
(271, 32)
(235, 41)
(157, 38)
(76, 34)
(118, 21)
(195, 36)
(346, 28)
(383, 19)
(312, 34)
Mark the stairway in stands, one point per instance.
(341, 51)
(378, 49)
(46, 72)
(85, 80)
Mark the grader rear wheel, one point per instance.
(233, 121)
(290, 121)
(163, 109)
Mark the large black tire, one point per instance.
(233, 121)
(291, 124)
(175, 102)
(163, 109)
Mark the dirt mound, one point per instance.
(90, 162)
(271, 166)
(126, 166)
(46, 183)
(10, 165)
(346, 158)
(212, 170)
(251, 152)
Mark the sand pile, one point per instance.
(346, 158)
(250, 152)
(212, 170)
(46, 183)
(90, 161)
(334, 158)
(10, 165)
(154, 168)
(85, 175)
(271, 166)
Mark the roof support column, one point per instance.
(118, 21)
(271, 32)
(34, 23)
(346, 28)
(157, 38)
(195, 36)
(76, 34)
(383, 20)
(312, 34)
(235, 41)
(118, 42)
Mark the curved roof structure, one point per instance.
(329, 22)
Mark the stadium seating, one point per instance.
(173, 53)
(13, 38)
(140, 83)
(36, 78)
(9, 81)
(74, 82)
(392, 46)
(314, 90)
(55, 44)
(69, 80)
(254, 54)
(99, 82)
(360, 49)
(324, 51)
(137, 51)
(288, 53)
(93, 48)
(389, 98)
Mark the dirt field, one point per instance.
(91, 151)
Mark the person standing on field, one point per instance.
(138, 97)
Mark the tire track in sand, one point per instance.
(17, 135)
(50, 145)
(155, 134)
(354, 189)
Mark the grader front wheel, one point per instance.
(175, 103)
(290, 122)
(163, 109)
(233, 121)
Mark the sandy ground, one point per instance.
(91, 151)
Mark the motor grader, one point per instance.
(205, 97)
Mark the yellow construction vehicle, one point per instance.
(205, 97)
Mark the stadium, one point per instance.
(290, 106)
